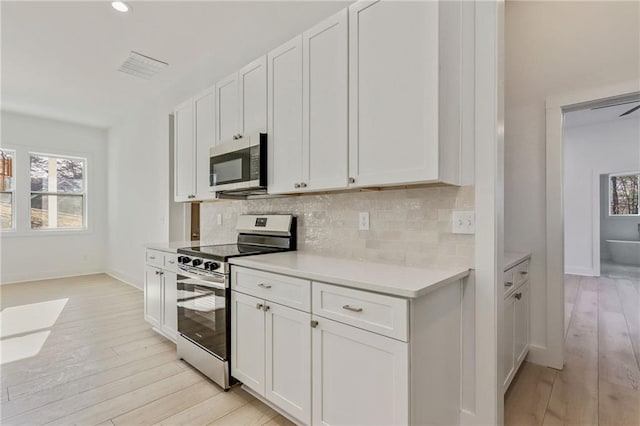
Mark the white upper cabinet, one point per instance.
(184, 155)
(285, 117)
(325, 104)
(241, 102)
(194, 134)
(205, 132)
(404, 92)
(252, 86)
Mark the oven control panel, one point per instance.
(195, 262)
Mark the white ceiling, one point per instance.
(60, 59)
(588, 116)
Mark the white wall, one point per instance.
(614, 227)
(553, 48)
(140, 204)
(30, 255)
(589, 151)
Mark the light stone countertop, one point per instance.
(173, 246)
(512, 258)
(394, 280)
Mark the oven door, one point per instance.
(203, 312)
(238, 164)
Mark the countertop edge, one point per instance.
(345, 282)
(516, 258)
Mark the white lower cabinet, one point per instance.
(515, 324)
(161, 294)
(271, 353)
(359, 377)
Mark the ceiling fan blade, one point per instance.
(635, 108)
(613, 105)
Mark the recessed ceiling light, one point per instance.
(120, 6)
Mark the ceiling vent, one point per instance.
(142, 66)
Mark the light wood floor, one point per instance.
(78, 351)
(601, 377)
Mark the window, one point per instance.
(58, 186)
(7, 187)
(623, 194)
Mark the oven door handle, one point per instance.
(204, 281)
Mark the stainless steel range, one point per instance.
(204, 291)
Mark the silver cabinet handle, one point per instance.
(266, 308)
(352, 180)
(157, 272)
(264, 286)
(314, 324)
(508, 283)
(351, 308)
(152, 257)
(303, 185)
(296, 185)
(518, 296)
(171, 262)
(259, 305)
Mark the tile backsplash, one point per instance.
(407, 226)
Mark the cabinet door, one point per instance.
(508, 359)
(359, 377)
(247, 341)
(152, 295)
(252, 81)
(285, 117)
(393, 92)
(227, 108)
(288, 360)
(169, 304)
(325, 104)
(184, 154)
(205, 138)
(521, 328)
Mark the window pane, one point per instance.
(39, 172)
(624, 194)
(7, 164)
(57, 211)
(69, 174)
(6, 218)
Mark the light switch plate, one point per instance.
(363, 222)
(463, 222)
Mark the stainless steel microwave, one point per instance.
(239, 167)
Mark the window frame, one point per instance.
(85, 195)
(610, 186)
(14, 227)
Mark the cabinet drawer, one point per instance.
(514, 277)
(155, 258)
(288, 291)
(381, 314)
(171, 262)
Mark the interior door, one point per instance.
(252, 85)
(227, 108)
(205, 138)
(325, 104)
(285, 117)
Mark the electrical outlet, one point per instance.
(463, 222)
(363, 223)
(219, 218)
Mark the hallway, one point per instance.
(600, 383)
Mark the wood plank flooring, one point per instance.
(78, 351)
(600, 382)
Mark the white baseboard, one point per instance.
(43, 276)
(125, 278)
(576, 270)
(540, 355)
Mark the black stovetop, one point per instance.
(222, 252)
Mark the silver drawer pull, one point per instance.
(171, 262)
(264, 286)
(523, 273)
(508, 283)
(352, 309)
(259, 306)
(152, 257)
